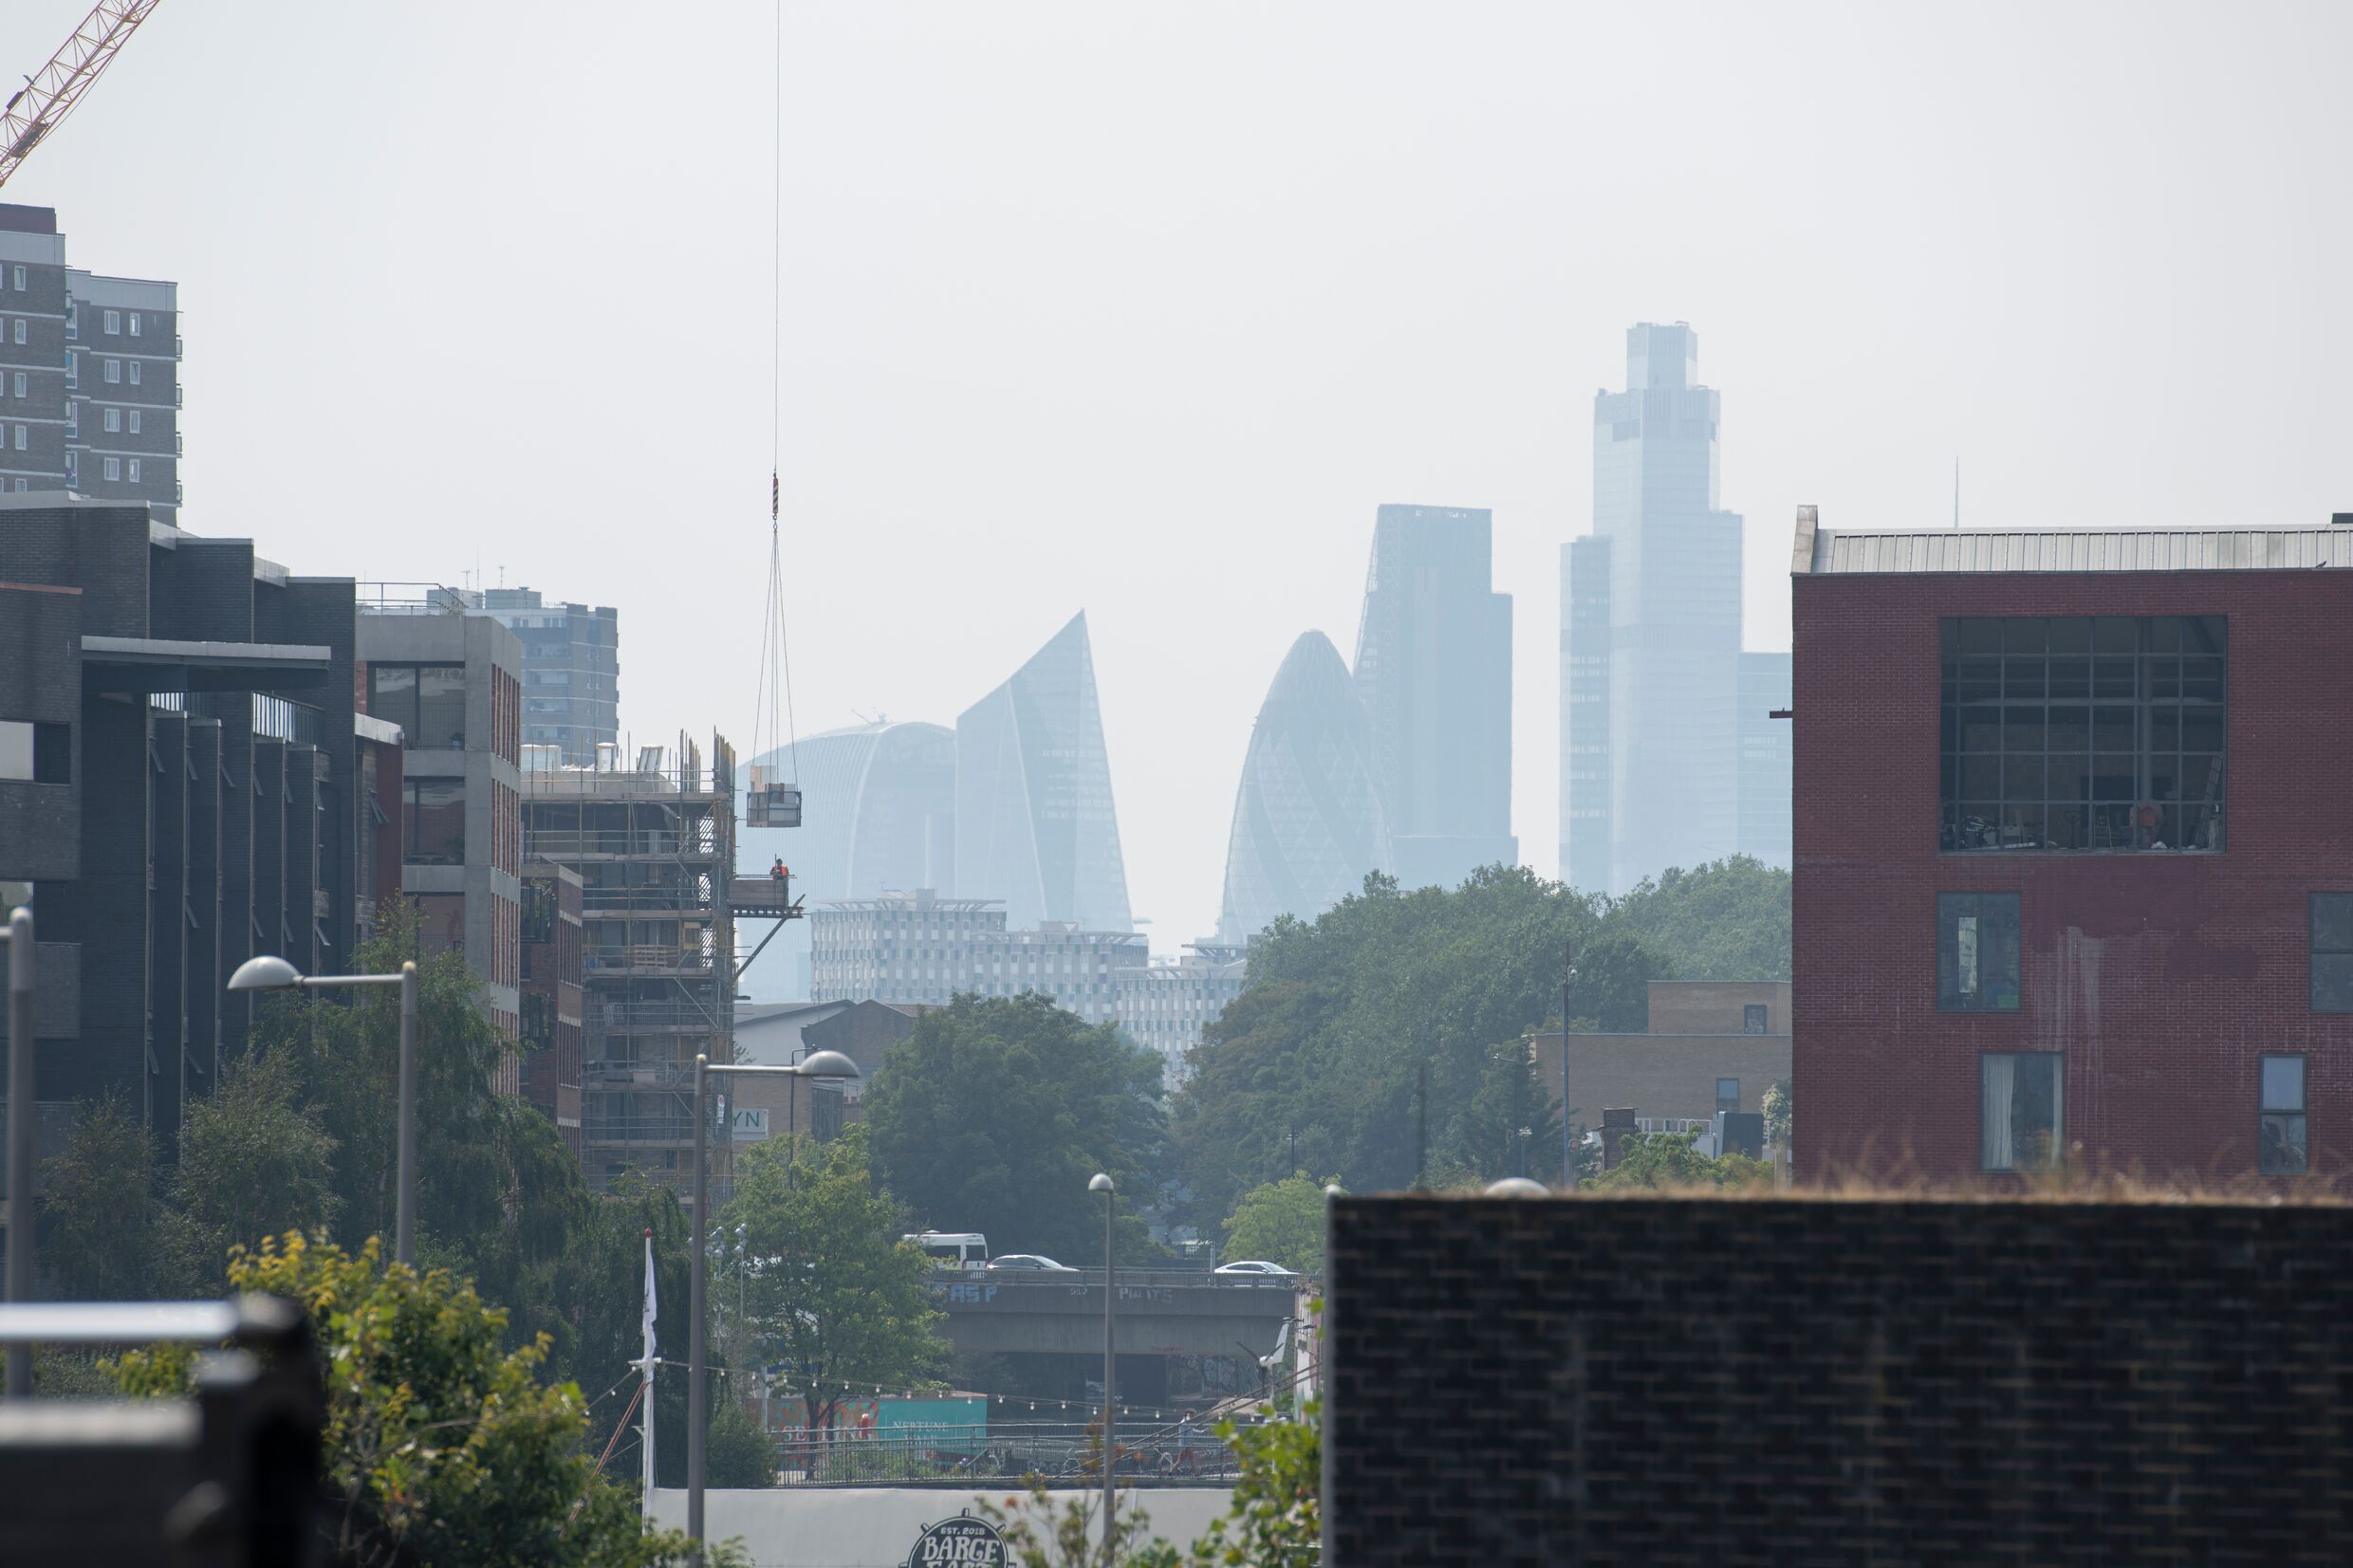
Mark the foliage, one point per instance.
(442, 1445)
(1276, 1521)
(1728, 920)
(1777, 1107)
(1039, 1535)
(98, 1195)
(835, 1296)
(252, 1162)
(736, 1452)
(995, 1113)
(1670, 1159)
(1316, 1064)
(1280, 1221)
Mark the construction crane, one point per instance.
(49, 95)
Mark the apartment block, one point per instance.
(922, 947)
(89, 373)
(571, 670)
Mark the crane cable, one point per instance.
(774, 724)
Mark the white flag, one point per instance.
(650, 1304)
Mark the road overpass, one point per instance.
(1159, 1313)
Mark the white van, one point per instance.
(956, 1249)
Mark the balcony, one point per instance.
(653, 959)
(655, 1017)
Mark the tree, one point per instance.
(1726, 919)
(1040, 1534)
(1612, 990)
(1670, 1159)
(736, 1453)
(441, 1445)
(1282, 1222)
(251, 1163)
(1777, 1108)
(100, 1197)
(992, 1115)
(1512, 1121)
(836, 1296)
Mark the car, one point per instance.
(1254, 1271)
(1029, 1263)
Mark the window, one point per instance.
(73, 320)
(22, 436)
(427, 701)
(1752, 1019)
(134, 418)
(135, 367)
(73, 421)
(1977, 952)
(18, 333)
(436, 827)
(73, 470)
(114, 322)
(23, 485)
(134, 323)
(1728, 1094)
(18, 279)
(2083, 734)
(19, 379)
(2280, 1139)
(32, 752)
(114, 370)
(73, 371)
(114, 420)
(2332, 952)
(2022, 1112)
(114, 468)
(134, 470)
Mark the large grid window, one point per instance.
(1977, 952)
(2082, 734)
(427, 701)
(2281, 1135)
(2332, 952)
(2023, 1114)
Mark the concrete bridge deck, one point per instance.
(1161, 1313)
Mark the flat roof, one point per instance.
(1819, 551)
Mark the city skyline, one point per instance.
(981, 446)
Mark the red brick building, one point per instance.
(2073, 850)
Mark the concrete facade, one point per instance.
(461, 784)
(1951, 954)
(920, 948)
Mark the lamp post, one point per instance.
(275, 974)
(21, 1134)
(1102, 1184)
(820, 1064)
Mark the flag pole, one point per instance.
(645, 1370)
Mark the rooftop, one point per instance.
(1819, 551)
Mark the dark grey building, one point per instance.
(89, 373)
(571, 670)
(1434, 669)
(181, 784)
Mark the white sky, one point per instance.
(1144, 310)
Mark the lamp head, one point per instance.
(1101, 1184)
(265, 974)
(827, 1064)
(1517, 1187)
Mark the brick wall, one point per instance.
(1753, 1381)
(2163, 977)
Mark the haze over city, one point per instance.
(1145, 314)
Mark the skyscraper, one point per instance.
(1765, 759)
(878, 809)
(1307, 819)
(1650, 646)
(1434, 670)
(1034, 821)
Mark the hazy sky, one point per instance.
(1144, 310)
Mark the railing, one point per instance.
(556, 844)
(962, 1456)
(273, 718)
(1130, 1278)
(596, 1129)
(659, 957)
(654, 1015)
(667, 898)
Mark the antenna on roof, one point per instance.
(1957, 493)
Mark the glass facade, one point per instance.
(427, 701)
(2082, 734)
(1307, 820)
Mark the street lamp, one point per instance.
(275, 974)
(1102, 1184)
(820, 1064)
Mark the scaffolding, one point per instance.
(654, 846)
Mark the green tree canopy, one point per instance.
(992, 1115)
(1728, 920)
(835, 1296)
(100, 1197)
(442, 1444)
(1280, 1221)
(1670, 1159)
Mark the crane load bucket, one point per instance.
(772, 805)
